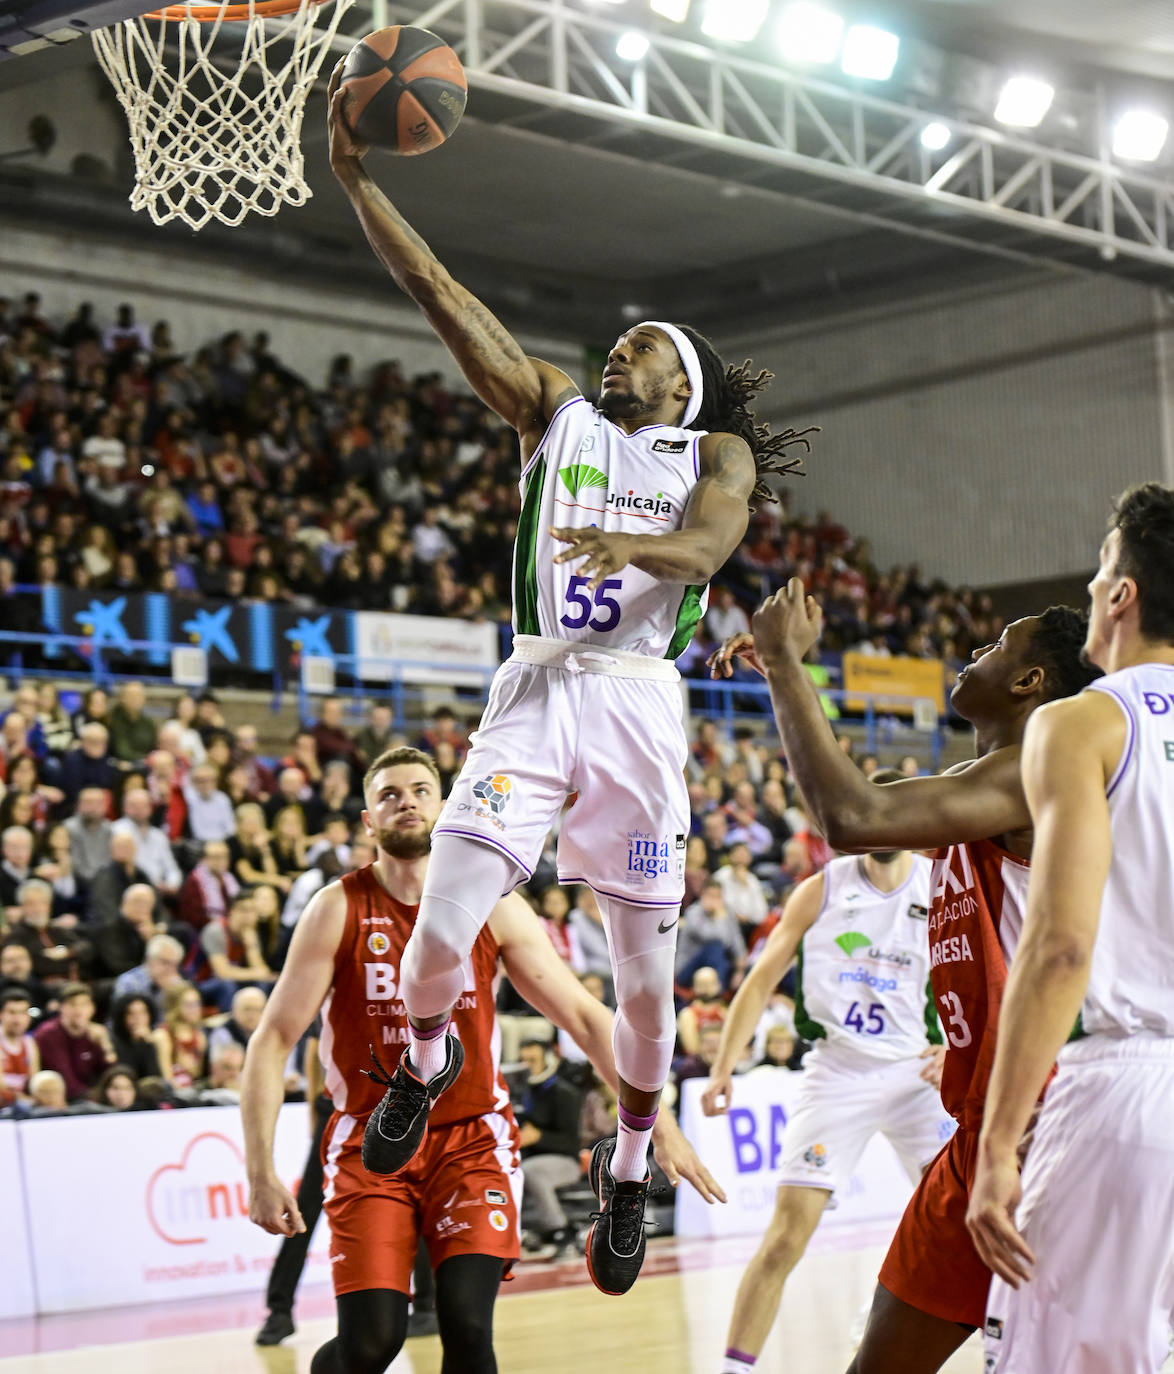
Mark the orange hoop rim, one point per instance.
(232, 13)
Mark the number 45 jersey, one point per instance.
(864, 966)
(587, 471)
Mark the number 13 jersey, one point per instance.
(587, 471)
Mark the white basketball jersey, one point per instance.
(587, 471)
(1131, 987)
(864, 965)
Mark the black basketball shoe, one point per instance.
(278, 1325)
(396, 1127)
(615, 1243)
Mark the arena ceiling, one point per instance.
(572, 223)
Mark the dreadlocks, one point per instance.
(728, 392)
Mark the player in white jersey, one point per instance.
(1083, 1246)
(859, 931)
(630, 504)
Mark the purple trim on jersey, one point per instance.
(697, 458)
(546, 434)
(864, 878)
(489, 840)
(1130, 739)
(619, 896)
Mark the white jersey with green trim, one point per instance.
(587, 471)
(863, 981)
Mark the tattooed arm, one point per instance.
(522, 390)
(714, 525)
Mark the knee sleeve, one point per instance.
(642, 960)
(465, 881)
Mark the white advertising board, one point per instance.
(744, 1152)
(17, 1296)
(423, 648)
(152, 1205)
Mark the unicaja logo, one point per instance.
(582, 476)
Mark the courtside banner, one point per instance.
(907, 678)
(423, 648)
(142, 1206)
(744, 1152)
(17, 1298)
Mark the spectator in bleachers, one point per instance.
(706, 752)
(182, 727)
(158, 973)
(222, 1087)
(586, 923)
(19, 1056)
(153, 853)
(16, 860)
(115, 878)
(706, 1007)
(780, 1051)
(24, 781)
(54, 720)
(548, 1122)
(715, 835)
(116, 1089)
(304, 757)
(132, 1019)
(251, 851)
(244, 1017)
(180, 1041)
(725, 618)
(132, 734)
(375, 737)
(126, 335)
(554, 908)
(95, 707)
(742, 890)
(289, 844)
(163, 783)
(16, 970)
(57, 951)
(331, 737)
(744, 825)
(209, 811)
(74, 1044)
(208, 888)
(444, 727)
(89, 833)
(233, 952)
(48, 1092)
(336, 794)
(292, 791)
(710, 937)
(699, 1064)
(120, 941)
(327, 868)
(261, 781)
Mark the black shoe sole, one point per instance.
(387, 1157)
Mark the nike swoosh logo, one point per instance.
(664, 930)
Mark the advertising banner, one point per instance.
(744, 1152)
(152, 1205)
(385, 641)
(922, 678)
(17, 1298)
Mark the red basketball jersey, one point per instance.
(14, 1067)
(978, 894)
(364, 1009)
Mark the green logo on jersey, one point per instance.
(579, 476)
(851, 941)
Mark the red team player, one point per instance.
(933, 1285)
(462, 1191)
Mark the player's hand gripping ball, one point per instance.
(404, 90)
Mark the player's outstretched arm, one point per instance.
(854, 814)
(550, 987)
(304, 983)
(1070, 750)
(523, 391)
(799, 915)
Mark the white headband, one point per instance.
(689, 361)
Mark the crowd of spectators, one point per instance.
(127, 466)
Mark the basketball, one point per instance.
(405, 90)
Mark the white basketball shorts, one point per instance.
(844, 1102)
(568, 718)
(1098, 1213)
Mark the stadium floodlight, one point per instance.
(1024, 101)
(1139, 136)
(735, 21)
(869, 52)
(809, 33)
(632, 46)
(935, 137)
(676, 10)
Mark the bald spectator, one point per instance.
(293, 790)
(132, 734)
(331, 736)
(16, 862)
(154, 856)
(247, 1005)
(75, 1045)
(157, 974)
(113, 879)
(232, 948)
(120, 944)
(208, 888)
(222, 1087)
(210, 813)
(89, 765)
(56, 951)
(48, 1093)
(89, 833)
(244, 754)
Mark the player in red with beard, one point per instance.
(462, 1191)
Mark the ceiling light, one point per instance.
(1023, 102)
(736, 21)
(935, 136)
(676, 10)
(631, 46)
(869, 53)
(1139, 136)
(809, 33)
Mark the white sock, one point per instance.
(738, 1362)
(629, 1160)
(428, 1050)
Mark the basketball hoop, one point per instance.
(216, 134)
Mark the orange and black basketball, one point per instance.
(405, 90)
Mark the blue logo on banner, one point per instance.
(210, 631)
(310, 637)
(103, 623)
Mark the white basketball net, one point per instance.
(210, 141)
